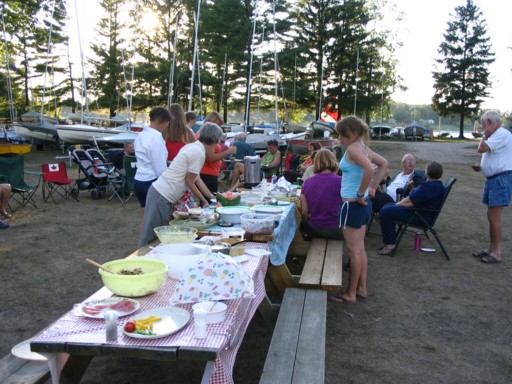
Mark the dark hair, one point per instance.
(316, 145)
(272, 142)
(434, 170)
(159, 114)
(210, 133)
(190, 115)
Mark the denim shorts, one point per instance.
(498, 191)
(355, 215)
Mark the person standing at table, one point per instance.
(177, 135)
(150, 152)
(357, 186)
(182, 174)
(496, 165)
(211, 168)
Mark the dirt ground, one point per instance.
(426, 320)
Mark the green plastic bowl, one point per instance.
(150, 281)
(175, 234)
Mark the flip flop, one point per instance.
(489, 259)
(339, 299)
(480, 254)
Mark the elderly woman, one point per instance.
(320, 199)
(428, 195)
(182, 174)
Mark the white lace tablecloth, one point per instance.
(225, 337)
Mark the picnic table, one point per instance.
(73, 340)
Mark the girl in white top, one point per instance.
(151, 152)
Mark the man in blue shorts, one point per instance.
(496, 165)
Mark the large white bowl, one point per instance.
(179, 257)
(232, 214)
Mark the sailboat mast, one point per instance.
(275, 60)
(249, 80)
(196, 17)
(48, 49)
(171, 74)
(357, 79)
(9, 84)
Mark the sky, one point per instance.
(421, 33)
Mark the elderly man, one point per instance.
(182, 174)
(242, 147)
(405, 180)
(496, 165)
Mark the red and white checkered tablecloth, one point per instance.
(225, 337)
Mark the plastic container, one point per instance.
(232, 214)
(174, 234)
(215, 311)
(111, 325)
(200, 326)
(258, 224)
(417, 242)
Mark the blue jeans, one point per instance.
(391, 213)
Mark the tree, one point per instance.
(462, 81)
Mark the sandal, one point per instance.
(489, 259)
(480, 254)
(6, 215)
(387, 251)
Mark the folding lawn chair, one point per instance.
(425, 219)
(12, 171)
(56, 183)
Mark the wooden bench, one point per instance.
(15, 370)
(297, 350)
(323, 266)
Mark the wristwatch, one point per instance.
(360, 194)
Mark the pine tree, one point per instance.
(462, 82)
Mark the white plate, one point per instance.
(173, 320)
(96, 308)
(272, 209)
(282, 202)
(22, 350)
(257, 252)
(428, 250)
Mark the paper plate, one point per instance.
(428, 250)
(96, 308)
(172, 320)
(257, 252)
(22, 350)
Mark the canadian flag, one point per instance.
(53, 167)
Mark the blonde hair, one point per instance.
(214, 117)
(324, 159)
(353, 124)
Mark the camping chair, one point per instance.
(425, 219)
(57, 182)
(12, 171)
(130, 167)
(418, 177)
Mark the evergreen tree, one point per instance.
(462, 82)
(107, 72)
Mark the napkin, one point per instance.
(214, 277)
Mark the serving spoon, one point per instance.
(100, 266)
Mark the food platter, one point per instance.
(194, 224)
(22, 350)
(173, 319)
(95, 309)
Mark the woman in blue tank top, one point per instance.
(362, 171)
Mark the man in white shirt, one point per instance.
(151, 152)
(182, 174)
(496, 165)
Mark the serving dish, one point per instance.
(172, 320)
(95, 309)
(232, 214)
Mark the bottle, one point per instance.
(274, 179)
(111, 325)
(417, 242)
(200, 323)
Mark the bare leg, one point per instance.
(354, 241)
(5, 194)
(237, 171)
(494, 218)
